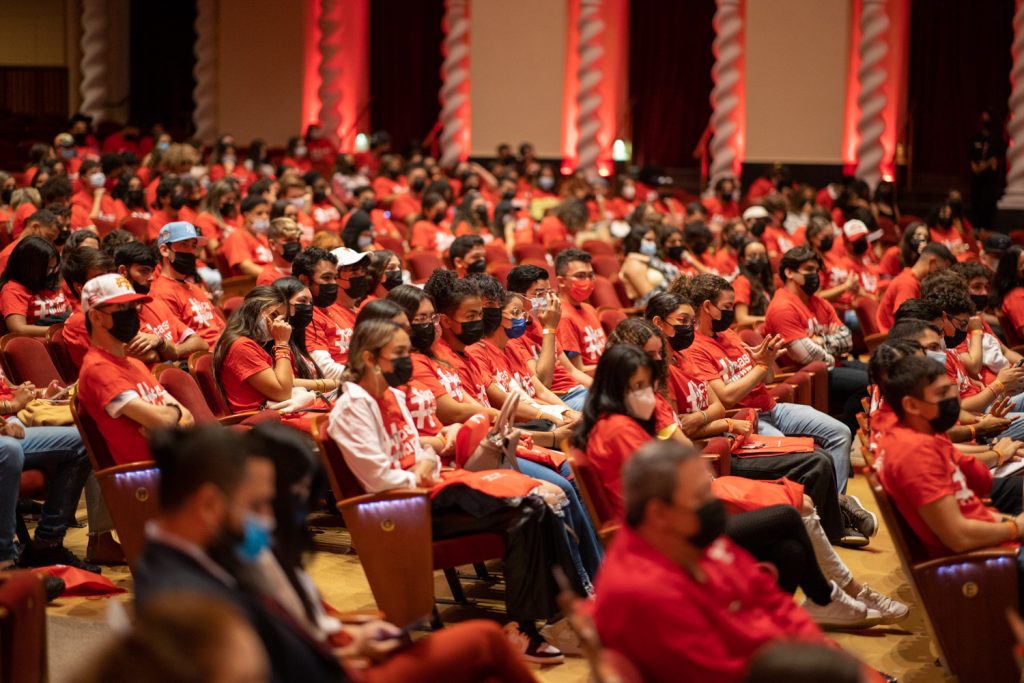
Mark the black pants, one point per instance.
(777, 534)
(535, 541)
(847, 385)
(814, 470)
(1007, 493)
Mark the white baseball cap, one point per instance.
(110, 288)
(349, 257)
(853, 229)
(754, 212)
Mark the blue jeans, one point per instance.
(793, 419)
(587, 552)
(56, 449)
(576, 398)
(212, 278)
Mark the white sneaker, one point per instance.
(891, 610)
(533, 648)
(843, 612)
(561, 635)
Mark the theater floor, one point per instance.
(77, 626)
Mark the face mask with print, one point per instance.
(640, 403)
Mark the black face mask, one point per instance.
(758, 228)
(949, 413)
(508, 195)
(422, 336)
(359, 286)
(136, 197)
(472, 332)
(479, 266)
(682, 338)
(326, 295)
(723, 323)
(418, 184)
(980, 301)
(675, 253)
(228, 210)
(62, 237)
(758, 266)
(711, 516)
(956, 340)
(141, 287)
(438, 216)
(184, 263)
(80, 139)
(860, 247)
(319, 196)
(125, 325)
(491, 320)
(811, 283)
(5, 195)
(400, 373)
(178, 201)
(826, 244)
(291, 250)
(302, 316)
(946, 222)
(369, 205)
(392, 279)
(481, 212)
(737, 241)
(698, 248)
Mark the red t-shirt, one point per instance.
(106, 379)
(428, 236)
(270, 274)
(790, 317)
(491, 363)
(956, 371)
(242, 245)
(689, 391)
(890, 264)
(612, 441)
(472, 380)
(244, 359)
(157, 318)
(423, 390)
(1013, 308)
(917, 469)
(723, 357)
(580, 332)
(529, 345)
(331, 331)
(76, 338)
(107, 218)
(191, 305)
(5, 255)
(904, 286)
(21, 215)
(15, 299)
(777, 241)
(552, 231)
(404, 207)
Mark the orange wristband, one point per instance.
(1012, 523)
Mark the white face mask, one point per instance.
(97, 180)
(260, 226)
(640, 403)
(939, 356)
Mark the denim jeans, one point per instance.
(576, 398)
(792, 419)
(587, 552)
(56, 449)
(212, 278)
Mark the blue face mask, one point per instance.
(517, 330)
(648, 248)
(256, 536)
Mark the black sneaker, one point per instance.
(53, 586)
(857, 516)
(852, 538)
(43, 555)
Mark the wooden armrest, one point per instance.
(973, 557)
(781, 377)
(235, 418)
(608, 530)
(1019, 349)
(732, 412)
(633, 311)
(384, 496)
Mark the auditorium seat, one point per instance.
(496, 253)
(200, 366)
(422, 264)
(237, 286)
(23, 648)
(27, 359)
(598, 247)
(391, 244)
(606, 266)
(604, 295)
(610, 318)
(185, 390)
(521, 252)
(58, 348)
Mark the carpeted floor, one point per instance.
(78, 628)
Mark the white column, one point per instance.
(204, 94)
(588, 97)
(1013, 196)
(872, 77)
(94, 59)
(727, 93)
(455, 86)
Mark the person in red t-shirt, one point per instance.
(93, 201)
(118, 391)
(390, 183)
(326, 341)
(170, 199)
(907, 285)
(431, 232)
(467, 255)
(179, 244)
(246, 250)
(921, 470)
(366, 199)
(41, 223)
(579, 330)
(722, 206)
(407, 205)
(31, 297)
(283, 239)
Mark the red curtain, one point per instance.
(670, 78)
(959, 65)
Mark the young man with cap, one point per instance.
(861, 256)
(247, 250)
(992, 249)
(117, 391)
(179, 245)
(353, 285)
(284, 239)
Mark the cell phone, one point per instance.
(1019, 364)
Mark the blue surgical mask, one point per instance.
(517, 330)
(648, 248)
(257, 534)
(939, 356)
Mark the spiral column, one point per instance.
(1013, 196)
(588, 97)
(727, 93)
(94, 58)
(204, 94)
(455, 87)
(872, 77)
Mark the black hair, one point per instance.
(76, 264)
(607, 394)
(447, 291)
(802, 663)
(521, 278)
(908, 252)
(697, 231)
(705, 287)
(888, 353)
(135, 253)
(948, 291)
(377, 262)
(918, 309)
(379, 309)
(1007, 275)
(796, 257)
(762, 284)
(29, 263)
(306, 260)
(409, 298)
(665, 304)
(909, 376)
(189, 459)
(462, 245)
(168, 183)
(939, 250)
(111, 162)
(56, 189)
(75, 239)
(289, 286)
(489, 286)
(250, 202)
(567, 256)
(969, 270)
(43, 216)
(278, 207)
(259, 186)
(911, 329)
(114, 239)
(631, 242)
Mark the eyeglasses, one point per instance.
(515, 313)
(682, 320)
(960, 324)
(423, 319)
(583, 275)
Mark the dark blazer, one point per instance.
(293, 655)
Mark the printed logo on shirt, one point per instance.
(344, 339)
(422, 407)
(696, 395)
(816, 329)
(593, 341)
(524, 383)
(54, 305)
(153, 395)
(403, 445)
(449, 379)
(732, 370)
(202, 312)
(162, 330)
(263, 254)
(963, 493)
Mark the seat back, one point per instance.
(592, 488)
(866, 309)
(343, 482)
(238, 285)
(610, 318)
(606, 265)
(604, 295)
(130, 492)
(500, 271)
(595, 247)
(231, 304)
(183, 387)
(58, 348)
(28, 360)
(95, 443)
(391, 244)
(138, 227)
(390, 525)
(529, 250)
(23, 652)
(496, 253)
(200, 366)
(422, 264)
